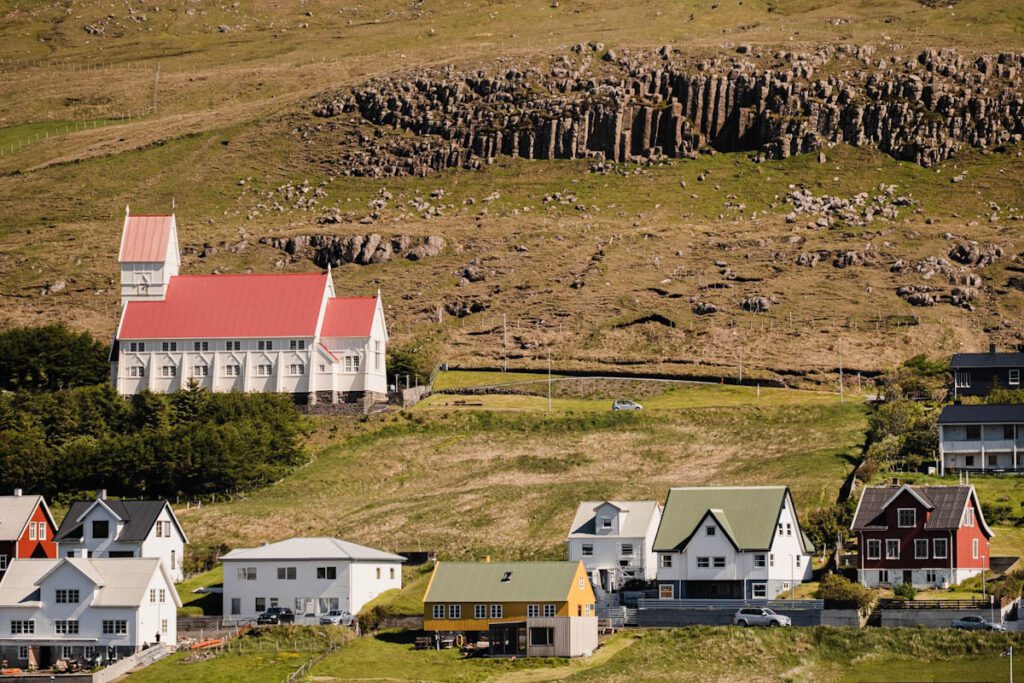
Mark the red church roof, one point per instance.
(145, 238)
(349, 316)
(229, 306)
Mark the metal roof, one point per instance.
(317, 548)
(229, 306)
(139, 517)
(638, 514)
(482, 582)
(145, 238)
(121, 582)
(982, 414)
(947, 503)
(350, 316)
(15, 513)
(987, 360)
(747, 513)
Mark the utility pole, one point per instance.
(841, 396)
(549, 379)
(504, 341)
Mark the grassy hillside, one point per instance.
(449, 479)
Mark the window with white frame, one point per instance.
(170, 346)
(247, 573)
(137, 347)
(497, 611)
(1014, 379)
(168, 371)
(974, 548)
(297, 344)
(931, 576)
(963, 379)
(66, 596)
(66, 627)
(582, 583)
(760, 590)
(163, 595)
(549, 610)
(480, 611)
(666, 591)
(920, 548)
(351, 363)
(330, 573)
(969, 517)
(719, 562)
(3, 563)
(201, 346)
(789, 529)
(378, 356)
(587, 549)
(200, 370)
(666, 561)
(760, 561)
(23, 652)
(42, 531)
(296, 369)
(940, 548)
(286, 573)
(232, 370)
(152, 595)
(606, 522)
(709, 530)
(136, 371)
(67, 651)
(626, 550)
(780, 529)
(163, 626)
(264, 370)
(23, 627)
(323, 367)
(265, 345)
(232, 345)
(703, 562)
(798, 560)
(31, 531)
(454, 611)
(438, 611)
(532, 611)
(892, 549)
(771, 559)
(906, 518)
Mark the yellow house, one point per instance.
(535, 609)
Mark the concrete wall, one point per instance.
(843, 617)
(941, 618)
(715, 617)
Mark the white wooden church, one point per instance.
(284, 333)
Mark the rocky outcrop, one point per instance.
(646, 106)
(338, 250)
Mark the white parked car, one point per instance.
(337, 617)
(625, 404)
(760, 616)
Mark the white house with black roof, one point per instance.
(981, 438)
(310, 576)
(976, 374)
(78, 607)
(123, 528)
(736, 542)
(615, 541)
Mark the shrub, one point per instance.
(906, 591)
(839, 591)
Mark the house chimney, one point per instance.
(101, 494)
(17, 492)
(991, 347)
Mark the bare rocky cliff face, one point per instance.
(594, 104)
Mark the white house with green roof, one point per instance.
(738, 542)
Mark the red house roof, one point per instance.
(228, 306)
(145, 238)
(349, 316)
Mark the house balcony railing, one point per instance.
(988, 445)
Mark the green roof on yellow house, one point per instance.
(747, 514)
(501, 581)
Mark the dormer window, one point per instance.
(907, 518)
(506, 577)
(709, 531)
(606, 523)
(101, 529)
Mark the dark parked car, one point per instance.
(276, 615)
(973, 623)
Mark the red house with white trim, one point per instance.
(283, 333)
(26, 529)
(928, 536)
